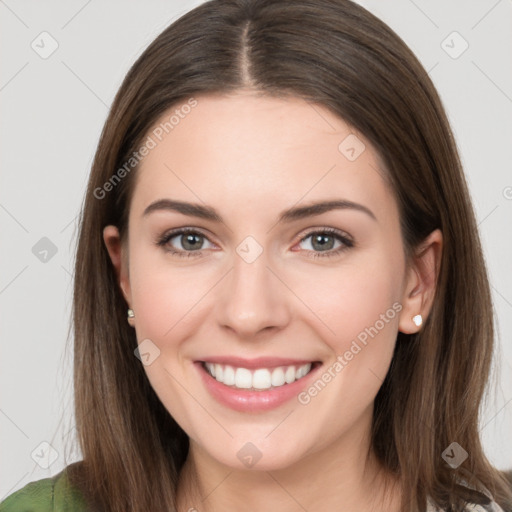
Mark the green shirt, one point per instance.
(52, 494)
(56, 495)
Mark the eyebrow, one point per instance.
(292, 214)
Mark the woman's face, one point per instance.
(256, 289)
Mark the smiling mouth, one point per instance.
(260, 379)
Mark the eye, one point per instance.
(323, 242)
(191, 242)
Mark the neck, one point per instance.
(342, 476)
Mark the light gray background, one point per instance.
(52, 112)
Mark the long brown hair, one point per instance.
(336, 54)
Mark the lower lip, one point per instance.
(254, 401)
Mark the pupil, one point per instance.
(321, 240)
(189, 239)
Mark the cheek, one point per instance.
(164, 292)
(351, 297)
(167, 302)
(158, 303)
(357, 311)
(359, 322)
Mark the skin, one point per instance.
(251, 157)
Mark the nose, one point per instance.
(253, 299)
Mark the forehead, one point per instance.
(243, 151)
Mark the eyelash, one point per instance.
(348, 243)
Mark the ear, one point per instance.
(421, 282)
(119, 257)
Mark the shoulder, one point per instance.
(472, 507)
(491, 507)
(478, 497)
(53, 494)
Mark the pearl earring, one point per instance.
(131, 314)
(418, 320)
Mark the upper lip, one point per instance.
(259, 362)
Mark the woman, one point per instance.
(280, 295)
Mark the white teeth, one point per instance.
(301, 372)
(211, 368)
(278, 377)
(262, 378)
(229, 375)
(243, 378)
(290, 374)
(218, 372)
